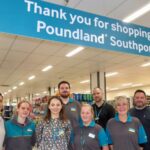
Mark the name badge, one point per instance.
(29, 130)
(73, 109)
(131, 130)
(91, 135)
(96, 118)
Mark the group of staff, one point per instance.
(68, 125)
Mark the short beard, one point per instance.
(64, 96)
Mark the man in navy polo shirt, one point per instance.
(71, 106)
(142, 112)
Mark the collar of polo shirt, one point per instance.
(70, 100)
(129, 118)
(92, 124)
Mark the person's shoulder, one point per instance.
(98, 127)
(93, 105)
(132, 109)
(76, 102)
(148, 108)
(108, 106)
(111, 120)
(135, 119)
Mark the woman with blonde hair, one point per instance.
(125, 132)
(89, 135)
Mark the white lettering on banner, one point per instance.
(129, 45)
(59, 14)
(135, 32)
(80, 19)
(77, 34)
(100, 24)
(89, 28)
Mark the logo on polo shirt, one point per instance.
(73, 109)
(131, 130)
(29, 130)
(91, 135)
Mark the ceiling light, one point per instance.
(127, 84)
(21, 83)
(135, 85)
(47, 68)
(111, 74)
(9, 91)
(31, 77)
(37, 94)
(137, 13)
(113, 89)
(15, 87)
(45, 92)
(146, 64)
(85, 81)
(75, 51)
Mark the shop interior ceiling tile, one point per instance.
(14, 56)
(52, 60)
(36, 59)
(127, 8)
(144, 21)
(60, 2)
(48, 48)
(3, 53)
(101, 7)
(6, 41)
(25, 44)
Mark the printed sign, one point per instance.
(39, 19)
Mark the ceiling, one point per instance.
(21, 57)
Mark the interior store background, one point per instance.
(23, 61)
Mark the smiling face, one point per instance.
(64, 90)
(23, 110)
(140, 100)
(55, 107)
(97, 95)
(86, 114)
(122, 106)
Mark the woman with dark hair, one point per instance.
(53, 133)
(20, 131)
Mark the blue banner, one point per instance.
(49, 21)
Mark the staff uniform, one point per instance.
(125, 136)
(53, 135)
(72, 110)
(19, 136)
(2, 132)
(103, 113)
(144, 116)
(90, 137)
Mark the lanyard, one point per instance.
(82, 139)
(97, 113)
